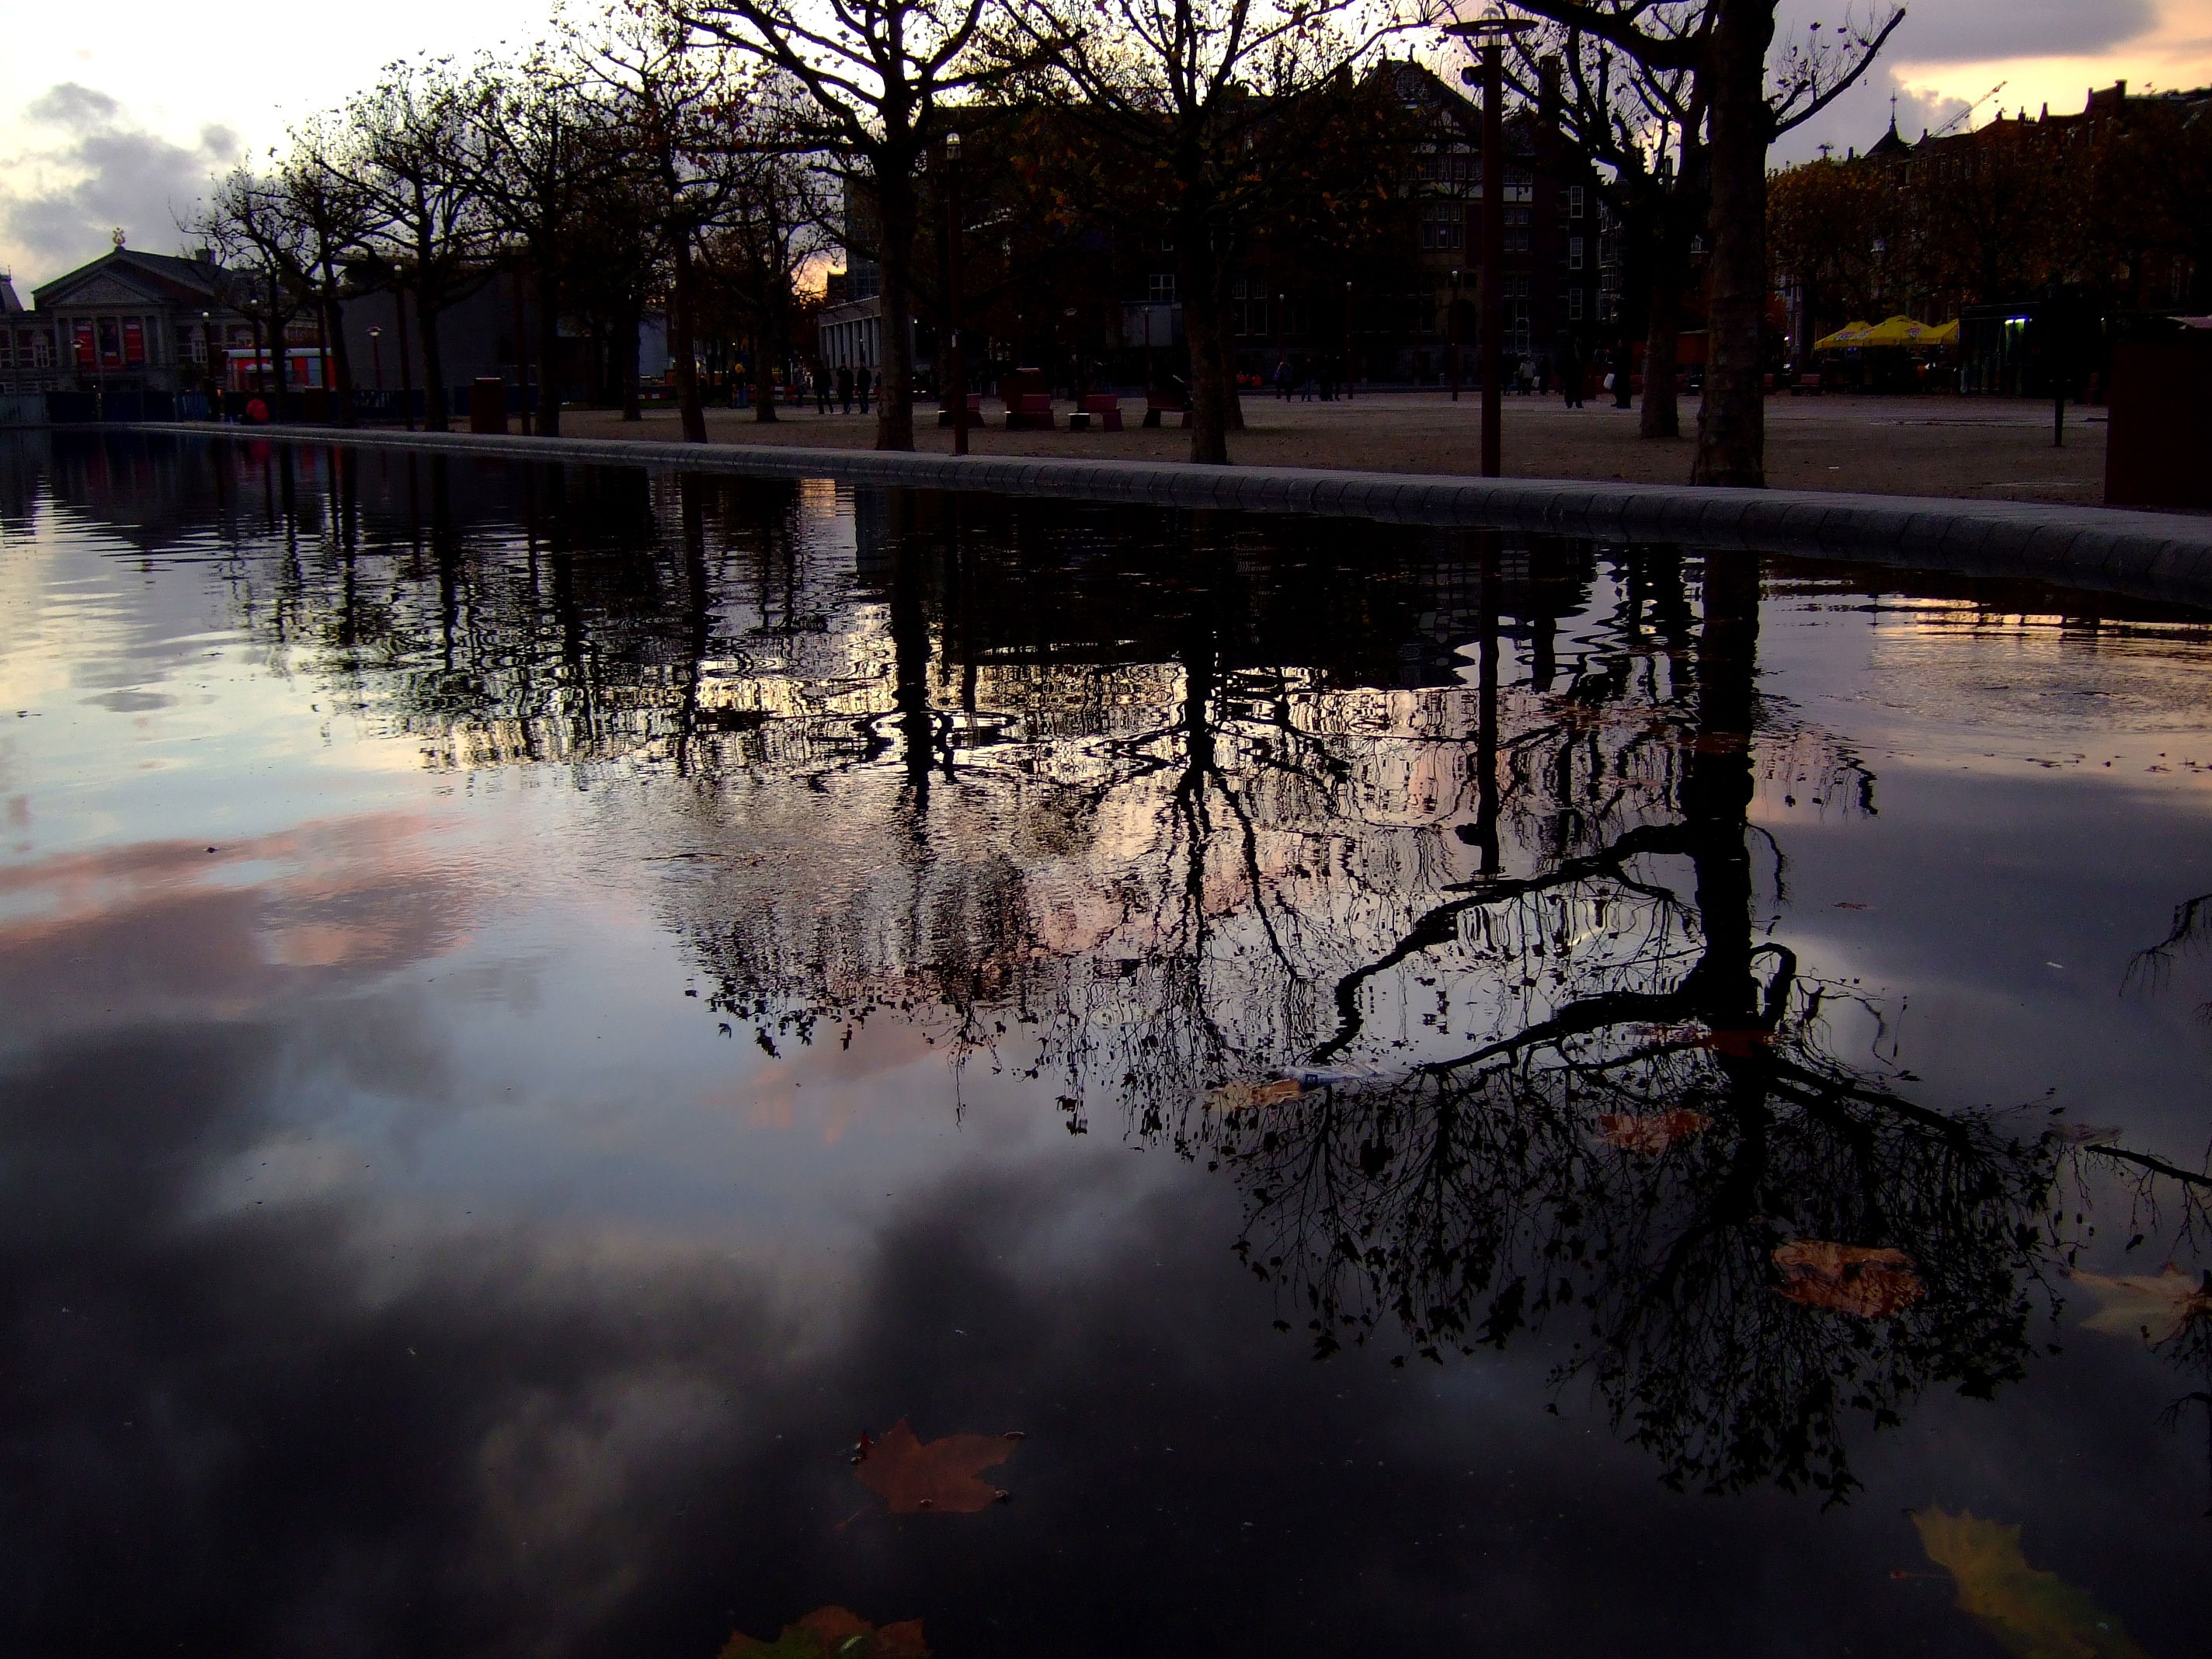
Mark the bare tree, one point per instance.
(777, 223)
(680, 125)
(1221, 100)
(537, 149)
(1725, 43)
(410, 142)
(268, 256)
(881, 78)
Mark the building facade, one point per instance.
(127, 322)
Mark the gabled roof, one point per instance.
(157, 276)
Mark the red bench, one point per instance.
(1807, 385)
(1030, 411)
(1099, 412)
(1158, 404)
(975, 410)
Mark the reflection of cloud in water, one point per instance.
(184, 929)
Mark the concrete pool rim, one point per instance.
(2117, 549)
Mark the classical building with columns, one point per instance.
(127, 322)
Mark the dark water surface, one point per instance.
(537, 1005)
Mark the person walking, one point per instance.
(821, 389)
(1571, 372)
(845, 388)
(864, 382)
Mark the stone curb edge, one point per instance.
(2146, 554)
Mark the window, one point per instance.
(1160, 288)
(133, 342)
(1574, 201)
(1574, 253)
(1443, 223)
(1574, 305)
(7, 349)
(1515, 306)
(1608, 307)
(111, 344)
(88, 355)
(42, 350)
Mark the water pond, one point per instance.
(605, 1063)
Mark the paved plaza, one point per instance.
(1976, 448)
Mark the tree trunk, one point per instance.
(895, 202)
(549, 347)
(1732, 421)
(341, 387)
(622, 364)
(682, 361)
(435, 414)
(1661, 415)
(276, 363)
(768, 340)
(1232, 401)
(1201, 330)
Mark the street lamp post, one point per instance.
(207, 350)
(1491, 33)
(376, 357)
(955, 367)
(1349, 371)
(1451, 327)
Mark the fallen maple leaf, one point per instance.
(2154, 1307)
(1849, 1278)
(2035, 1614)
(1243, 1097)
(833, 1633)
(1654, 1131)
(938, 1477)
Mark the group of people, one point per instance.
(837, 391)
(1308, 381)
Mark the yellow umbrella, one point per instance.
(1898, 331)
(1947, 335)
(1849, 334)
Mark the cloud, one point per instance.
(89, 166)
(1975, 31)
(1861, 115)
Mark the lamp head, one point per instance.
(952, 147)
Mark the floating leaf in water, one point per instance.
(1244, 1096)
(2157, 1306)
(834, 1633)
(933, 1478)
(1849, 1278)
(2036, 1614)
(1653, 1132)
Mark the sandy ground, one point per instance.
(1984, 447)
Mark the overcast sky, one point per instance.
(121, 122)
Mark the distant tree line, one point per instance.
(2113, 205)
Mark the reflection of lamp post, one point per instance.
(206, 351)
(956, 368)
(1491, 31)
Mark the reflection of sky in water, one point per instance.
(400, 1256)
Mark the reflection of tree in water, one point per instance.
(1421, 890)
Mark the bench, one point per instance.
(1807, 385)
(1158, 404)
(1097, 411)
(975, 410)
(1030, 411)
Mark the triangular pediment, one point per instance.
(105, 282)
(103, 291)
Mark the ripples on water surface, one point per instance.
(1460, 1093)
